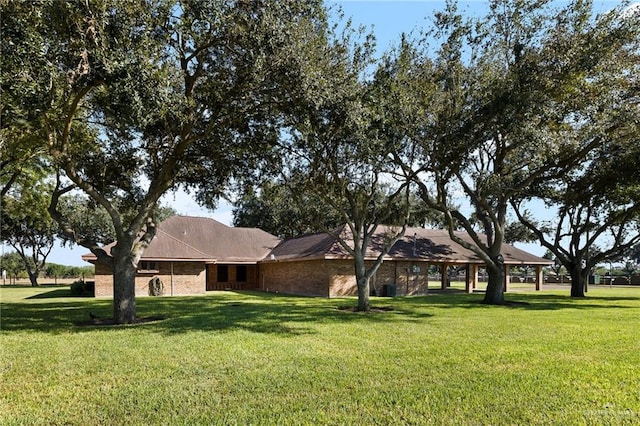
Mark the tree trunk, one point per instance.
(495, 287)
(363, 294)
(33, 274)
(578, 280)
(124, 288)
(33, 278)
(363, 286)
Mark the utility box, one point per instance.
(389, 290)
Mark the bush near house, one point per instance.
(82, 288)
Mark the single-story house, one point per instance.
(193, 255)
(317, 265)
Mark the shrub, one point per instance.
(82, 288)
(77, 288)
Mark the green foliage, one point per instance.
(133, 99)
(92, 222)
(515, 232)
(26, 225)
(495, 113)
(13, 264)
(230, 358)
(336, 169)
(272, 208)
(63, 271)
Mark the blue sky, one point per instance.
(388, 20)
(391, 18)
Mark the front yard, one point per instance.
(253, 358)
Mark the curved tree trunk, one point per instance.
(33, 274)
(495, 287)
(33, 278)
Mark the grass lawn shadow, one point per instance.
(217, 312)
(521, 301)
(57, 293)
(267, 313)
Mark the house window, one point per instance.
(241, 273)
(223, 273)
(148, 266)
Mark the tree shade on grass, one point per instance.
(240, 358)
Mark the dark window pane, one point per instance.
(223, 273)
(241, 273)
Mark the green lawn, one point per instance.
(251, 358)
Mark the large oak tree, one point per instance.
(509, 100)
(132, 99)
(336, 159)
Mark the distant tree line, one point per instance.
(15, 269)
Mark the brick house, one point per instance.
(193, 255)
(317, 265)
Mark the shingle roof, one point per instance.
(204, 239)
(430, 245)
(185, 238)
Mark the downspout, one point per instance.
(172, 278)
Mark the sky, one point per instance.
(388, 20)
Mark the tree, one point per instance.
(26, 224)
(516, 232)
(598, 201)
(21, 148)
(498, 111)
(629, 269)
(337, 162)
(585, 235)
(633, 254)
(271, 208)
(91, 221)
(12, 263)
(136, 99)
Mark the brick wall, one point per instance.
(407, 280)
(336, 278)
(188, 278)
(342, 281)
(307, 278)
(402, 274)
(324, 278)
(104, 281)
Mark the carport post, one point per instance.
(539, 277)
(467, 280)
(443, 280)
(472, 277)
(507, 277)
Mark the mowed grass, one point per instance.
(253, 358)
